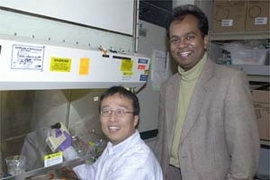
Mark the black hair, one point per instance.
(180, 12)
(125, 93)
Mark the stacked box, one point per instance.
(229, 16)
(261, 100)
(258, 15)
(241, 15)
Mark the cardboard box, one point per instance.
(229, 16)
(228, 0)
(258, 15)
(262, 110)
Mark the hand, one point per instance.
(67, 143)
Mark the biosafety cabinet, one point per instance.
(56, 59)
(46, 83)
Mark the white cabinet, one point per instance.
(110, 15)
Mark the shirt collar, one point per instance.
(113, 149)
(194, 72)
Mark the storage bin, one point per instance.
(248, 56)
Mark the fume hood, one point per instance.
(43, 82)
(52, 70)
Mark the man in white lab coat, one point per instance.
(126, 156)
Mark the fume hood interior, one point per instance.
(24, 112)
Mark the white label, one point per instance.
(260, 21)
(27, 57)
(52, 159)
(227, 22)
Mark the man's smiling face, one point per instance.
(186, 42)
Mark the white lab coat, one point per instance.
(132, 159)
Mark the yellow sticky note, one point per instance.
(126, 65)
(84, 66)
(59, 64)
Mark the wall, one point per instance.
(154, 38)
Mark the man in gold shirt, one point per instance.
(207, 125)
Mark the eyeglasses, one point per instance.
(117, 112)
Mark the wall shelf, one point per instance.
(254, 72)
(239, 35)
(259, 70)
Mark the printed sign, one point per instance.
(27, 57)
(59, 64)
(126, 65)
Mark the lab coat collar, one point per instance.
(133, 139)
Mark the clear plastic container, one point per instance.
(248, 56)
(252, 53)
(15, 164)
